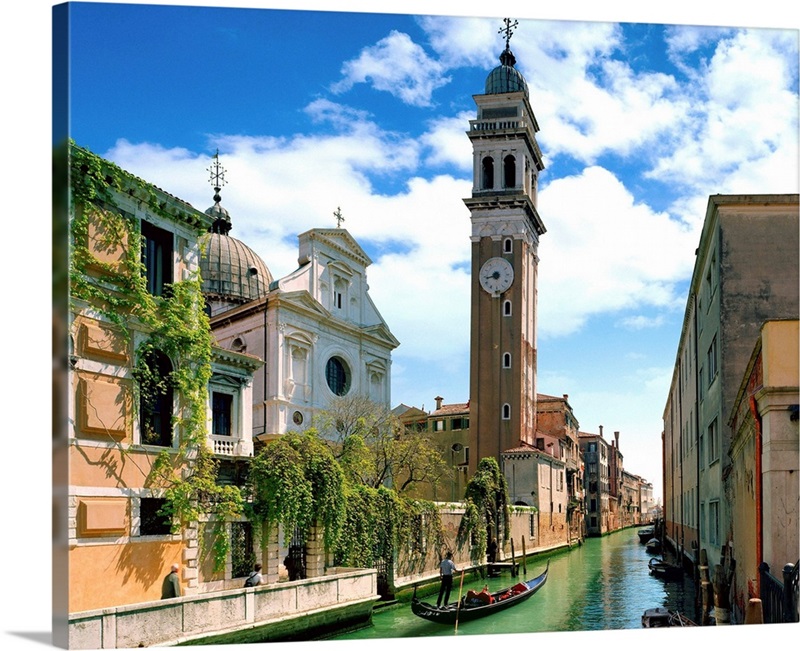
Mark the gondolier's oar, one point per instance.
(458, 607)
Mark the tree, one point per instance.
(375, 448)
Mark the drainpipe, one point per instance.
(759, 492)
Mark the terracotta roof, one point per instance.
(455, 408)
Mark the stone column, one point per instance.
(270, 554)
(315, 552)
(191, 557)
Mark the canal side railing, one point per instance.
(779, 600)
(343, 593)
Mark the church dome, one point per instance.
(505, 78)
(230, 270)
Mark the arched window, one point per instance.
(340, 293)
(506, 308)
(337, 375)
(509, 171)
(506, 411)
(506, 360)
(155, 398)
(488, 173)
(508, 245)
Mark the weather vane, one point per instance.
(217, 178)
(508, 29)
(339, 217)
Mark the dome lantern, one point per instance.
(505, 78)
(231, 272)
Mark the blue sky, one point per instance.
(733, 128)
(312, 110)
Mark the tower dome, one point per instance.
(505, 78)
(230, 271)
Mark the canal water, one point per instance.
(603, 584)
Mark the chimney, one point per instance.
(616, 438)
(438, 400)
(601, 431)
(566, 396)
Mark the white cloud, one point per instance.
(462, 41)
(446, 143)
(640, 322)
(605, 252)
(396, 65)
(742, 131)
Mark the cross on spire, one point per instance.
(217, 178)
(508, 29)
(339, 217)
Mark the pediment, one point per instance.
(381, 332)
(303, 300)
(337, 240)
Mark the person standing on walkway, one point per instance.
(446, 570)
(171, 587)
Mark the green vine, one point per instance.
(294, 481)
(174, 324)
(486, 509)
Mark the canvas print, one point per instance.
(379, 325)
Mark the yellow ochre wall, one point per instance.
(104, 574)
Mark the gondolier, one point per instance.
(446, 570)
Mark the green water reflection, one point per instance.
(604, 584)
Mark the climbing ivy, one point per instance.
(295, 481)
(174, 324)
(382, 526)
(486, 509)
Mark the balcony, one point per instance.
(228, 446)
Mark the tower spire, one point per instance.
(508, 29)
(222, 220)
(507, 58)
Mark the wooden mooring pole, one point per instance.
(513, 560)
(524, 558)
(705, 589)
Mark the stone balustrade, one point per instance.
(339, 596)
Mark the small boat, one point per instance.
(653, 546)
(646, 534)
(464, 610)
(662, 569)
(663, 618)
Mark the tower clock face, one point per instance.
(496, 275)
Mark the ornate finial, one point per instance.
(217, 178)
(508, 29)
(339, 217)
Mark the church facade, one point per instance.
(319, 332)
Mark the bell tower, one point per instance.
(506, 228)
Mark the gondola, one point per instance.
(464, 611)
(653, 546)
(663, 569)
